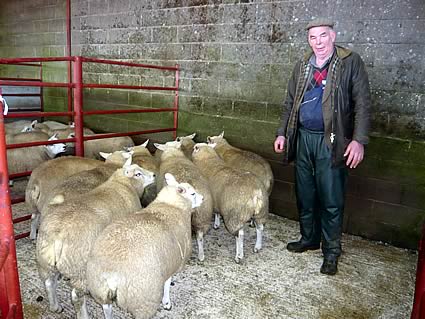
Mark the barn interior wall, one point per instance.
(236, 57)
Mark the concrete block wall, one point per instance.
(236, 57)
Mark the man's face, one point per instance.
(321, 41)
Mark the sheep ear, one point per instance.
(127, 163)
(145, 143)
(192, 136)
(127, 155)
(71, 124)
(159, 146)
(104, 155)
(170, 179)
(222, 134)
(53, 137)
(33, 123)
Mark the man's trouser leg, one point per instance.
(306, 191)
(331, 185)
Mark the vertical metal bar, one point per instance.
(41, 88)
(68, 51)
(176, 103)
(9, 271)
(78, 106)
(418, 310)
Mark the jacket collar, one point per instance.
(341, 52)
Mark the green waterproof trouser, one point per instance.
(320, 192)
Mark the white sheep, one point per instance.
(238, 195)
(68, 231)
(143, 157)
(27, 136)
(46, 177)
(187, 144)
(17, 126)
(92, 148)
(82, 182)
(243, 159)
(175, 162)
(134, 258)
(26, 159)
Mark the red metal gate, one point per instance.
(10, 297)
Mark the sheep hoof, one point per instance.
(57, 309)
(238, 260)
(216, 226)
(257, 250)
(167, 306)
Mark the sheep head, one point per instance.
(185, 189)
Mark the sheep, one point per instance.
(51, 125)
(17, 126)
(134, 258)
(238, 195)
(143, 157)
(84, 181)
(26, 137)
(26, 159)
(92, 148)
(75, 184)
(175, 162)
(69, 229)
(242, 159)
(46, 177)
(187, 144)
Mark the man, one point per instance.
(324, 127)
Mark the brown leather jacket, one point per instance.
(346, 104)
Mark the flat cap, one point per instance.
(320, 22)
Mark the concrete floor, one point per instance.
(374, 280)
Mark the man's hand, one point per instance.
(279, 144)
(355, 153)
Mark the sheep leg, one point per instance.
(216, 220)
(200, 241)
(35, 221)
(80, 305)
(51, 284)
(259, 242)
(239, 246)
(166, 303)
(107, 310)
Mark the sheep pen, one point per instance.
(375, 280)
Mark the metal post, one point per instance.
(10, 297)
(78, 106)
(176, 103)
(418, 311)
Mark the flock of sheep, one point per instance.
(118, 229)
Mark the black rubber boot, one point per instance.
(300, 246)
(329, 266)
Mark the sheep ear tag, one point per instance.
(170, 179)
(128, 171)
